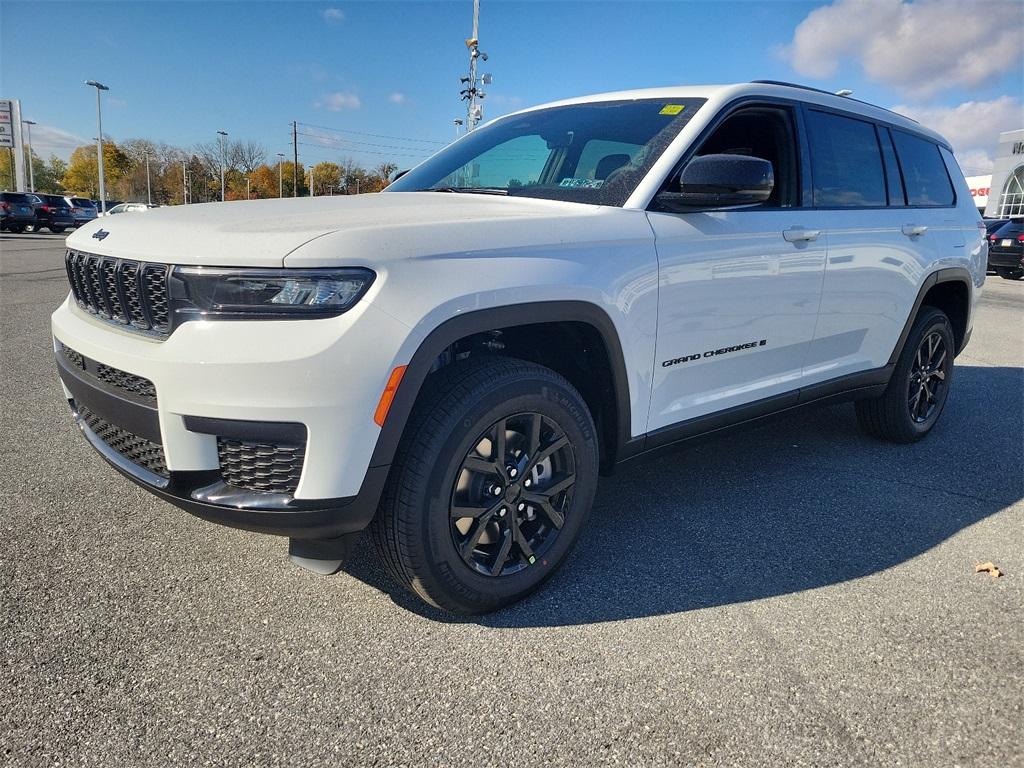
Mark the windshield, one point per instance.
(596, 152)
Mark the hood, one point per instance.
(262, 233)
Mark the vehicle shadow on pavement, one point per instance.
(794, 504)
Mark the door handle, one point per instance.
(913, 230)
(800, 235)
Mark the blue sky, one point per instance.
(180, 71)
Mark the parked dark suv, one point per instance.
(1006, 250)
(52, 212)
(15, 212)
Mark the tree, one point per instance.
(264, 181)
(82, 177)
(327, 177)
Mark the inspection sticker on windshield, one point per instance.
(672, 109)
(582, 183)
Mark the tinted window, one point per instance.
(544, 153)
(845, 162)
(15, 197)
(892, 169)
(924, 173)
(81, 202)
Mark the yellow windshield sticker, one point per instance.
(672, 109)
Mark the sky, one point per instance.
(378, 81)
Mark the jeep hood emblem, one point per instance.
(99, 234)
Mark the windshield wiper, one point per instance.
(470, 190)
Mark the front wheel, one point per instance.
(917, 391)
(1010, 273)
(490, 487)
(58, 230)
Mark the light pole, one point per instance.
(31, 176)
(184, 184)
(99, 142)
(149, 189)
(223, 135)
(280, 178)
(246, 187)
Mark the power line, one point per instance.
(346, 142)
(375, 135)
(361, 151)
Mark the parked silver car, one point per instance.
(83, 210)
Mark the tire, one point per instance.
(1009, 273)
(31, 228)
(919, 387)
(58, 230)
(15, 230)
(441, 468)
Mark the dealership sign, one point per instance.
(6, 124)
(979, 186)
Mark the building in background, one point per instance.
(1006, 190)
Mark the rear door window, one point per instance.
(924, 172)
(846, 163)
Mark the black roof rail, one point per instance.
(829, 93)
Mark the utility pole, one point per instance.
(311, 186)
(246, 187)
(223, 135)
(31, 175)
(149, 189)
(295, 160)
(184, 184)
(471, 93)
(280, 175)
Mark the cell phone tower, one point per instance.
(471, 92)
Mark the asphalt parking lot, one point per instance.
(795, 594)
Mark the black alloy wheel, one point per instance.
(491, 484)
(927, 377)
(512, 494)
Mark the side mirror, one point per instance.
(719, 181)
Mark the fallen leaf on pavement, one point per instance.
(988, 568)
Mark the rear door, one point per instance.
(883, 238)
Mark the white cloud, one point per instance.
(48, 140)
(337, 101)
(334, 15)
(972, 127)
(919, 48)
(397, 98)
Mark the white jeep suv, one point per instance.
(452, 362)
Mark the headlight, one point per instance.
(265, 293)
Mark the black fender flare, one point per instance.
(945, 275)
(479, 321)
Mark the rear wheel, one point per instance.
(1010, 273)
(57, 230)
(491, 485)
(31, 228)
(917, 391)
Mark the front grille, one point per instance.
(261, 467)
(129, 293)
(135, 449)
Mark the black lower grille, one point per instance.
(261, 467)
(73, 357)
(139, 386)
(128, 382)
(137, 450)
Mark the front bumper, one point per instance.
(257, 376)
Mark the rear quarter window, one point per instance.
(14, 197)
(846, 163)
(924, 172)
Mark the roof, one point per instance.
(719, 95)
